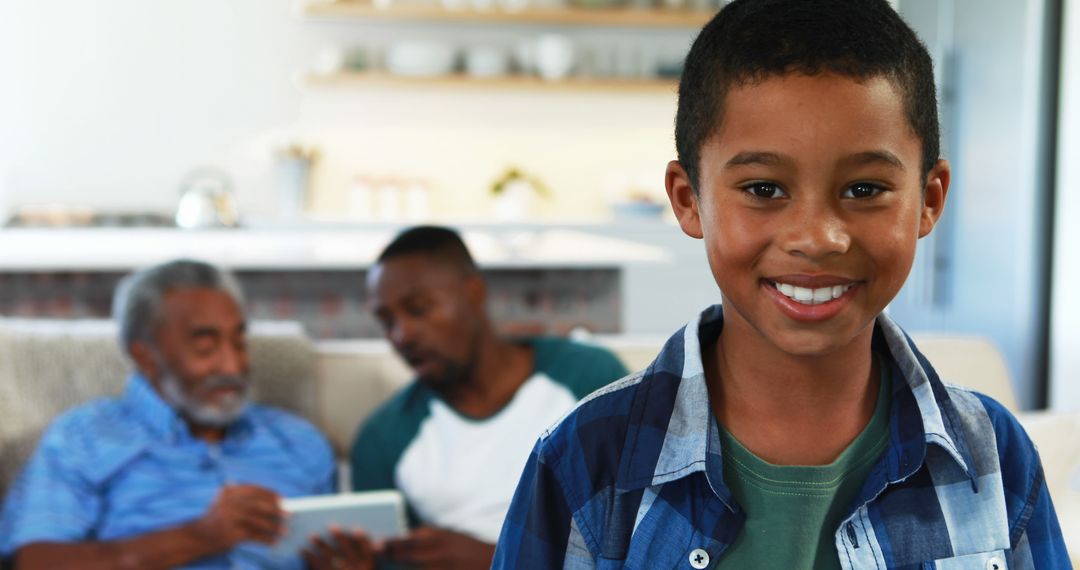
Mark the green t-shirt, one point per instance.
(793, 512)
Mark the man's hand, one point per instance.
(345, 551)
(242, 513)
(429, 548)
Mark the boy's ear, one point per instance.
(934, 193)
(684, 202)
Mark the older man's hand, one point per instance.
(429, 547)
(243, 513)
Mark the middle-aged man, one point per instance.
(179, 471)
(456, 440)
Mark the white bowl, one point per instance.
(420, 58)
(487, 61)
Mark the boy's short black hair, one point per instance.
(442, 243)
(750, 40)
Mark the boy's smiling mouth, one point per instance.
(811, 298)
(811, 295)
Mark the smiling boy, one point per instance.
(795, 425)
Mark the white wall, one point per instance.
(109, 103)
(980, 271)
(1065, 306)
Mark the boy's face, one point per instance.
(811, 202)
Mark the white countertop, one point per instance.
(310, 247)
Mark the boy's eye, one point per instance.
(863, 190)
(764, 190)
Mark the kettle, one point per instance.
(207, 201)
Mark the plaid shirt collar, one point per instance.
(668, 406)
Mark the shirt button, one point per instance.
(699, 559)
(995, 563)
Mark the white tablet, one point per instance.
(380, 514)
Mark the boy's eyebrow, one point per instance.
(773, 159)
(872, 156)
(756, 157)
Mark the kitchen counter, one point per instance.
(640, 277)
(312, 247)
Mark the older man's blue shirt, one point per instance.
(633, 478)
(122, 467)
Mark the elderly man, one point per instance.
(456, 439)
(179, 471)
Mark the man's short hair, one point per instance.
(439, 242)
(139, 299)
(749, 41)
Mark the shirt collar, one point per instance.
(923, 413)
(163, 421)
(672, 432)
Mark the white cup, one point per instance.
(554, 56)
(329, 60)
(487, 61)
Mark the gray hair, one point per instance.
(137, 304)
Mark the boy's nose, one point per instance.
(816, 233)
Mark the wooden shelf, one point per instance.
(607, 17)
(462, 81)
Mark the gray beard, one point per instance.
(231, 407)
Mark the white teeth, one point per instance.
(809, 296)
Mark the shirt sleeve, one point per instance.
(371, 462)
(1035, 535)
(51, 501)
(539, 530)
(1037, 542)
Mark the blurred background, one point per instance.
(291, 140)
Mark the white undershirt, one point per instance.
(460, 474)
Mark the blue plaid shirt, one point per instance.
(119, 468)
(633, 478)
